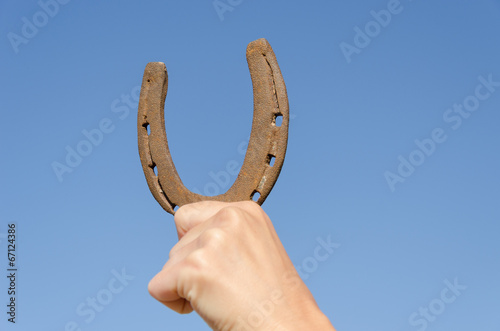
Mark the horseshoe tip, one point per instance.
(259, 45)
(155, 67)
(155, 64)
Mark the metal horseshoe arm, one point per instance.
(268, 141)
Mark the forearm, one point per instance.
(296, 311)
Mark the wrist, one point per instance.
(288, 316)
(310, 317)
(299, 311)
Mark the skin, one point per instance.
(231, 268)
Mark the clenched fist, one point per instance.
(231, 268)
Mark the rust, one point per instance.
(267, 140)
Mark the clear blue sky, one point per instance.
(393, 154)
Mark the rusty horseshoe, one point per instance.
(266, 149)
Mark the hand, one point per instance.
(231, 268)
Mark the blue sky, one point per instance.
(393, 154)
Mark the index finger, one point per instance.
(193, 214)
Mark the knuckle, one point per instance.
(240, 215)
(185, 211)
(253, 209)
(214, 237)
(197, 260)
(152, 288)
(249, 205)
(230, 216)
(174, 250)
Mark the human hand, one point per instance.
(231, 268)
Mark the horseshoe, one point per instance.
(268, 139)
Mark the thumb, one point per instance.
(193, 214)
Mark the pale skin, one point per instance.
(231, 268)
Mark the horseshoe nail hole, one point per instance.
(278, 119)
(149, 80)
(146, 126)
(176, 208)
(155, 170)
(255, 196)
(270, 160)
